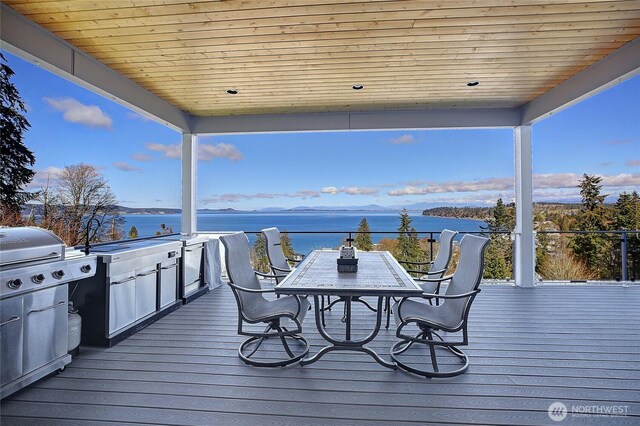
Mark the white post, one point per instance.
(189, 180)
(524, 253)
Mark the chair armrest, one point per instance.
(437, 271)
(280, 269)
(252, 290)
(293, 260)
(451, 296)
(415, 263)
(262, 274)
(434, 280)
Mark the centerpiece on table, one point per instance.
(348, 260)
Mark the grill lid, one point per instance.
(29, 244)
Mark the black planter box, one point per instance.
(347, 265)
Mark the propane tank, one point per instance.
(75, 330)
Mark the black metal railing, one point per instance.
(625, 257)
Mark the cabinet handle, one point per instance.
(147, 273)
(62, 302)
(169, 267)
(123, 281)
(9, 321)
(194, 249)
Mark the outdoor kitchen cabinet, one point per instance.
(134, 285)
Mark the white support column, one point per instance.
(189, 180)
(524, 250)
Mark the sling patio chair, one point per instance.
(450, 316)
(254, 308)
(279, 263)
(430, 279)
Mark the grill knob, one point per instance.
(58, 274)
(38, 279)
(85, 268)
(14, 284)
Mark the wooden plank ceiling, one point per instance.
(305, 55)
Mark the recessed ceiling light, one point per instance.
(232, 91)
(473, 83)
(357, 87)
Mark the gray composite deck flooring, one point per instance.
(529, 348)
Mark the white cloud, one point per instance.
(329, 190)
(621, 180)
(76, 112)
(404, 139)
(632, 163)
(142, 157)
(170, 151)
(423, 188)
(540, 181)
(41, 177)
(125, 167)
(349, 190)
(235, 197)
(206, 152)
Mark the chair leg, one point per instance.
(403, 345)
(282, 335)
(432, 351)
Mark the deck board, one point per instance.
(576, 344)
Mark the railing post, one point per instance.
(623, 251)
(430, 246)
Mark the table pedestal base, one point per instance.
(347, 344)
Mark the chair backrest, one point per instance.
(445, 251)
(467, 276)
(274, 249)
(238, 261)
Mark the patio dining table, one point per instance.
(379, 275)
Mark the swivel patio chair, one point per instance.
(254, 308)
(430, 278)
(279, 263)
(451, 316)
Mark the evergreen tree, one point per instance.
(363, 237)
(499, 254)
(285, 244)
(627, 217)
(408, 243)
(15, 158)
(259, 254)
(594, 249)
(133, 232)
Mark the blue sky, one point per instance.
(140, 158)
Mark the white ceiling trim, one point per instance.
(374, 120)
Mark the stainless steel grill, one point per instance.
(34, 272)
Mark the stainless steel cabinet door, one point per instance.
(10, 339)
(146, 291)
(45, 327)
(168, 282)
(122, 301)
(192, 261)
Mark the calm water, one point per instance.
(148, 225)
